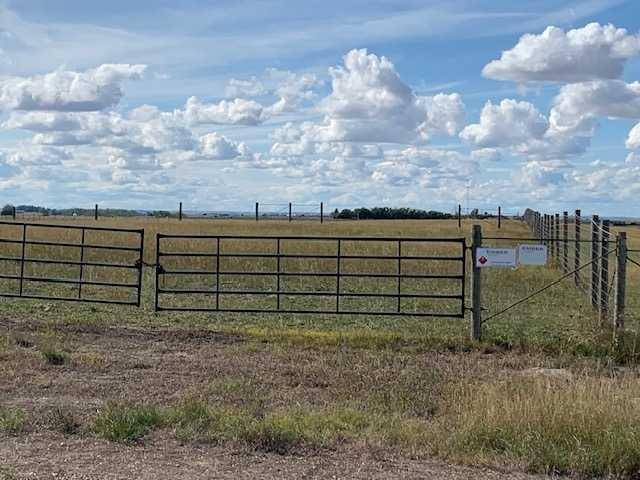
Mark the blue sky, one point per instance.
(220, 104)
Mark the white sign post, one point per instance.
(532, 254)
(496, 257)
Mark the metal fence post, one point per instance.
(180, 211)
(459, 216)
(321, 212)
(257, 207)
(604, 271)
(595, 271)
(499, 217)
(476, 285)
(95, 214)
(621, 283)
(289, 211)
(577, 246)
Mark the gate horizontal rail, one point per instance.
(280, 292)
(81, 249)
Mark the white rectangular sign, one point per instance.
(496, 257)
(532, 254)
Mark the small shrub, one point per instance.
(127, 423)
(53, 357)
(12, 420)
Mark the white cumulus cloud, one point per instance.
(577, 106)
(235, 112)
(633, 140)
(370, 103)
(218, 147)
(507, 124)
(69, 91)
(592, 52)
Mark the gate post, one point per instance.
(621, 283)
(476, 285)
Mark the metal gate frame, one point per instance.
(337, 294)
(82, 246)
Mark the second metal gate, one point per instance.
(305, 274)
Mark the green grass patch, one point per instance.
(360, 338)
(282, 431)
(12, 420)
(53, 356)
(127, 423)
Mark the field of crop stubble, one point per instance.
(199, 394)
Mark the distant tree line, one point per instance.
(387, 213)
(106, 212)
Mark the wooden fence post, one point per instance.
(476, 285)
(547, 230)
(557, 239)
(604, 271)
(539, 225)
(577, 247)
(565, 242)
(621, 283)
(595, 271)
(13, 212)
(95, 213)
(553, 235)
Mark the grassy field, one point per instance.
(546, 391)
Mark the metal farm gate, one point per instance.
(306, 274)
(71, 263)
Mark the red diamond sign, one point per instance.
(496, 257)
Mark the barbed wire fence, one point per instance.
(573, 241)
